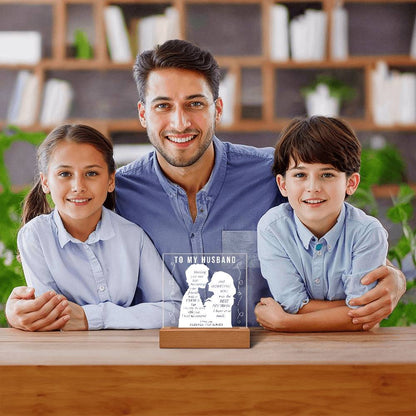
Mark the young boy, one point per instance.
(315, 249)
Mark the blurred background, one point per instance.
(70, 61)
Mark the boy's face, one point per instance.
(316, 192)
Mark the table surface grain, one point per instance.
(141, 347)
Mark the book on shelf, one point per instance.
(308, 36)
(393, 96)
(24, 102)
(20, 47)
(279, 33)
(57, 100)
(227, 91)
(413, 42)
(117, 35)
(339, 34)
(156, 29)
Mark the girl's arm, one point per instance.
(271, 316)
(156, 302)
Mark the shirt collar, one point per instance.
(331, 237)
(103, 231)
(214, 184)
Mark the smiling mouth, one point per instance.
(313, 201)
(79, 200)
(181, 138)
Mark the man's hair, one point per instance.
(318, 139)
(178, 54)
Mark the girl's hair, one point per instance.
(36, 202)
(318, 139)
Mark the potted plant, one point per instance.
(325, 96)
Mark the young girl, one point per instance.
(105, 266)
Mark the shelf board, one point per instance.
(388, 190)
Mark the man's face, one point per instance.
(179, 115)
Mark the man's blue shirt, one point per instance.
(240, 190)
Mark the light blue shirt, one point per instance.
(115, 268)
(300, 267)
(240, 190)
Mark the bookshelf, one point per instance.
(104, 93)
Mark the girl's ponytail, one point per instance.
(35, 203)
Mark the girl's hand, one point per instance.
(47, 312)
(270, 315)
(78, 320)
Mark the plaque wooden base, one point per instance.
(237, 337)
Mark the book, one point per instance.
(279, 33)
(227, 93)
(339, 34)
(28, 108)
(57, 100)
(413, 42)
(407, 94)
(308, 36)
(393, 99)
(17, 96)
(117, 35)
(156, 29)
(20, 47)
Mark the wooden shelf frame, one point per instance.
(236, 64)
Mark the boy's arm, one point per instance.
(271, 316)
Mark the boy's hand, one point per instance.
(270, 315)
(379, 302)
(47, 312)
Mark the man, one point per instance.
(194, 193)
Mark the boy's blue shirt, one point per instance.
(300, 267)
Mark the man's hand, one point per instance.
(78, 320)
(379, 302)
(47, 312)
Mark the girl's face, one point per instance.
(316, 192)
(78, 181)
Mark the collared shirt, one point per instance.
(240, 190)
(299, 267)
(116, 266)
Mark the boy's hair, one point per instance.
(318, 139)
(178, 54)
(36, 202)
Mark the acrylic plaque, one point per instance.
(215, 299)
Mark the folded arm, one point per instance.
(320, 316)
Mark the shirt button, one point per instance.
(317, 281)
(318, 246)
(101, 288)
(192, 235)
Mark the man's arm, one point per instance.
(378, 303)
(332, 317)
(47, 312)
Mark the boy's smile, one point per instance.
(316, 192)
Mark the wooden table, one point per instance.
(125, 373)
